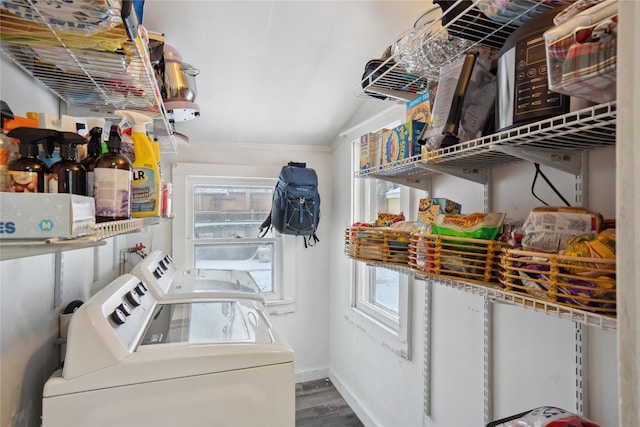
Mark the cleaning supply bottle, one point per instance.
(145, 192)
(113, 176)
(94, 150)
(50, 152)
(67, 174)
(28, 174)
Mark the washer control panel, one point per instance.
(158, 271)
(109, 326)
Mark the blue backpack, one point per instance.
(296, 204)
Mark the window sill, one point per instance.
(277, 307)
(379, 332)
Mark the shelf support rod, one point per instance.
(427, 350)
(580, 359)
(57, 285)
(488, 360)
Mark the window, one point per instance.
(380, 296)
(227, 214)
(220, 224)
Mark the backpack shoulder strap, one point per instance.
(310, 241)
(265, 227)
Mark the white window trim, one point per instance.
(390, 331)
(184, 175)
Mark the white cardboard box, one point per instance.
(45, 216)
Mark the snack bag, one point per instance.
(477, 225)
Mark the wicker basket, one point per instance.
(584, 283)
(380, 244)
(473, 260)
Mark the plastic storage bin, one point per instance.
(581, 53)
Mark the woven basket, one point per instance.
(379, 244)
(473, 260)
(585, 283)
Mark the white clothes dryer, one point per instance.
(186, 360)
(159, 273)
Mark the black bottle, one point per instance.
(68, 175)
(113, 175)
(28, 174)
(94, 150)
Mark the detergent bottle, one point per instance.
(145, 191)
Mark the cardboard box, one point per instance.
(364, 153)
(401, 143)
(396, 145)
(45, 216)
(428, 209)
(375, 150)
(419, 109)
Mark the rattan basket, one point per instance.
(379, 244)
(584, 283)
(459, 258)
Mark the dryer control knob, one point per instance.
(118, 316)
(133, 298)
(125, 308)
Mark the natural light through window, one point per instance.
(226, 219)
(219, 210)
(380, 295)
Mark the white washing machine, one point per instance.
(159, 273)
(185, 360)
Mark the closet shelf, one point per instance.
(397, 78)
(497, 294)
(555, 141)
(12, 249)
(83, 54)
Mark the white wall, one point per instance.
(533, 357)
(29, 314)
(306, 329)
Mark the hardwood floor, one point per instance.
(318, 403)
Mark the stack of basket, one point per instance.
(470, 259)
(378, 244)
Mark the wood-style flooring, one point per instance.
(318, 404)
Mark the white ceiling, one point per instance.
(278, 71)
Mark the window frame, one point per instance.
(188, 175)
(390, 330)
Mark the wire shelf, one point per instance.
(82, 53)
(585, 129)
(497, 294)
(394, 79)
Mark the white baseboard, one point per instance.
(362, 413)
(311, 375)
